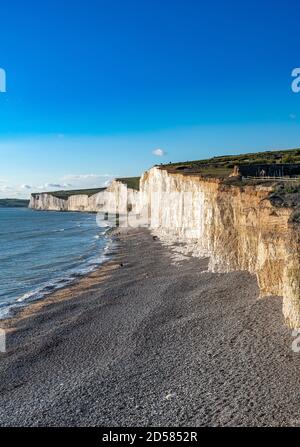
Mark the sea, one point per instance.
(41, 252)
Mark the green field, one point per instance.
(222, 166)
(131, 182)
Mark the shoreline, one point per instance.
(56, 284)
(67, 292)
(158, 341)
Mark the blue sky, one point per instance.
(95, 86)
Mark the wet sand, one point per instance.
(155, 342)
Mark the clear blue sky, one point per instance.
(95, 86)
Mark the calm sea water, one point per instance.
(43, 251)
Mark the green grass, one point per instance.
(14, 203)
(131, 182)
(289, 187)
(222, 166)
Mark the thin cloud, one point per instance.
(55, 185)
(88, 180)
(86, 176)
(76, 181)
(159, 152)
(6, 188)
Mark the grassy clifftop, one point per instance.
(131, 182)
(222, 166)
(75, 192)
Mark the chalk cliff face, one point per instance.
(46, 201)
(117, 198)
(237, 227)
